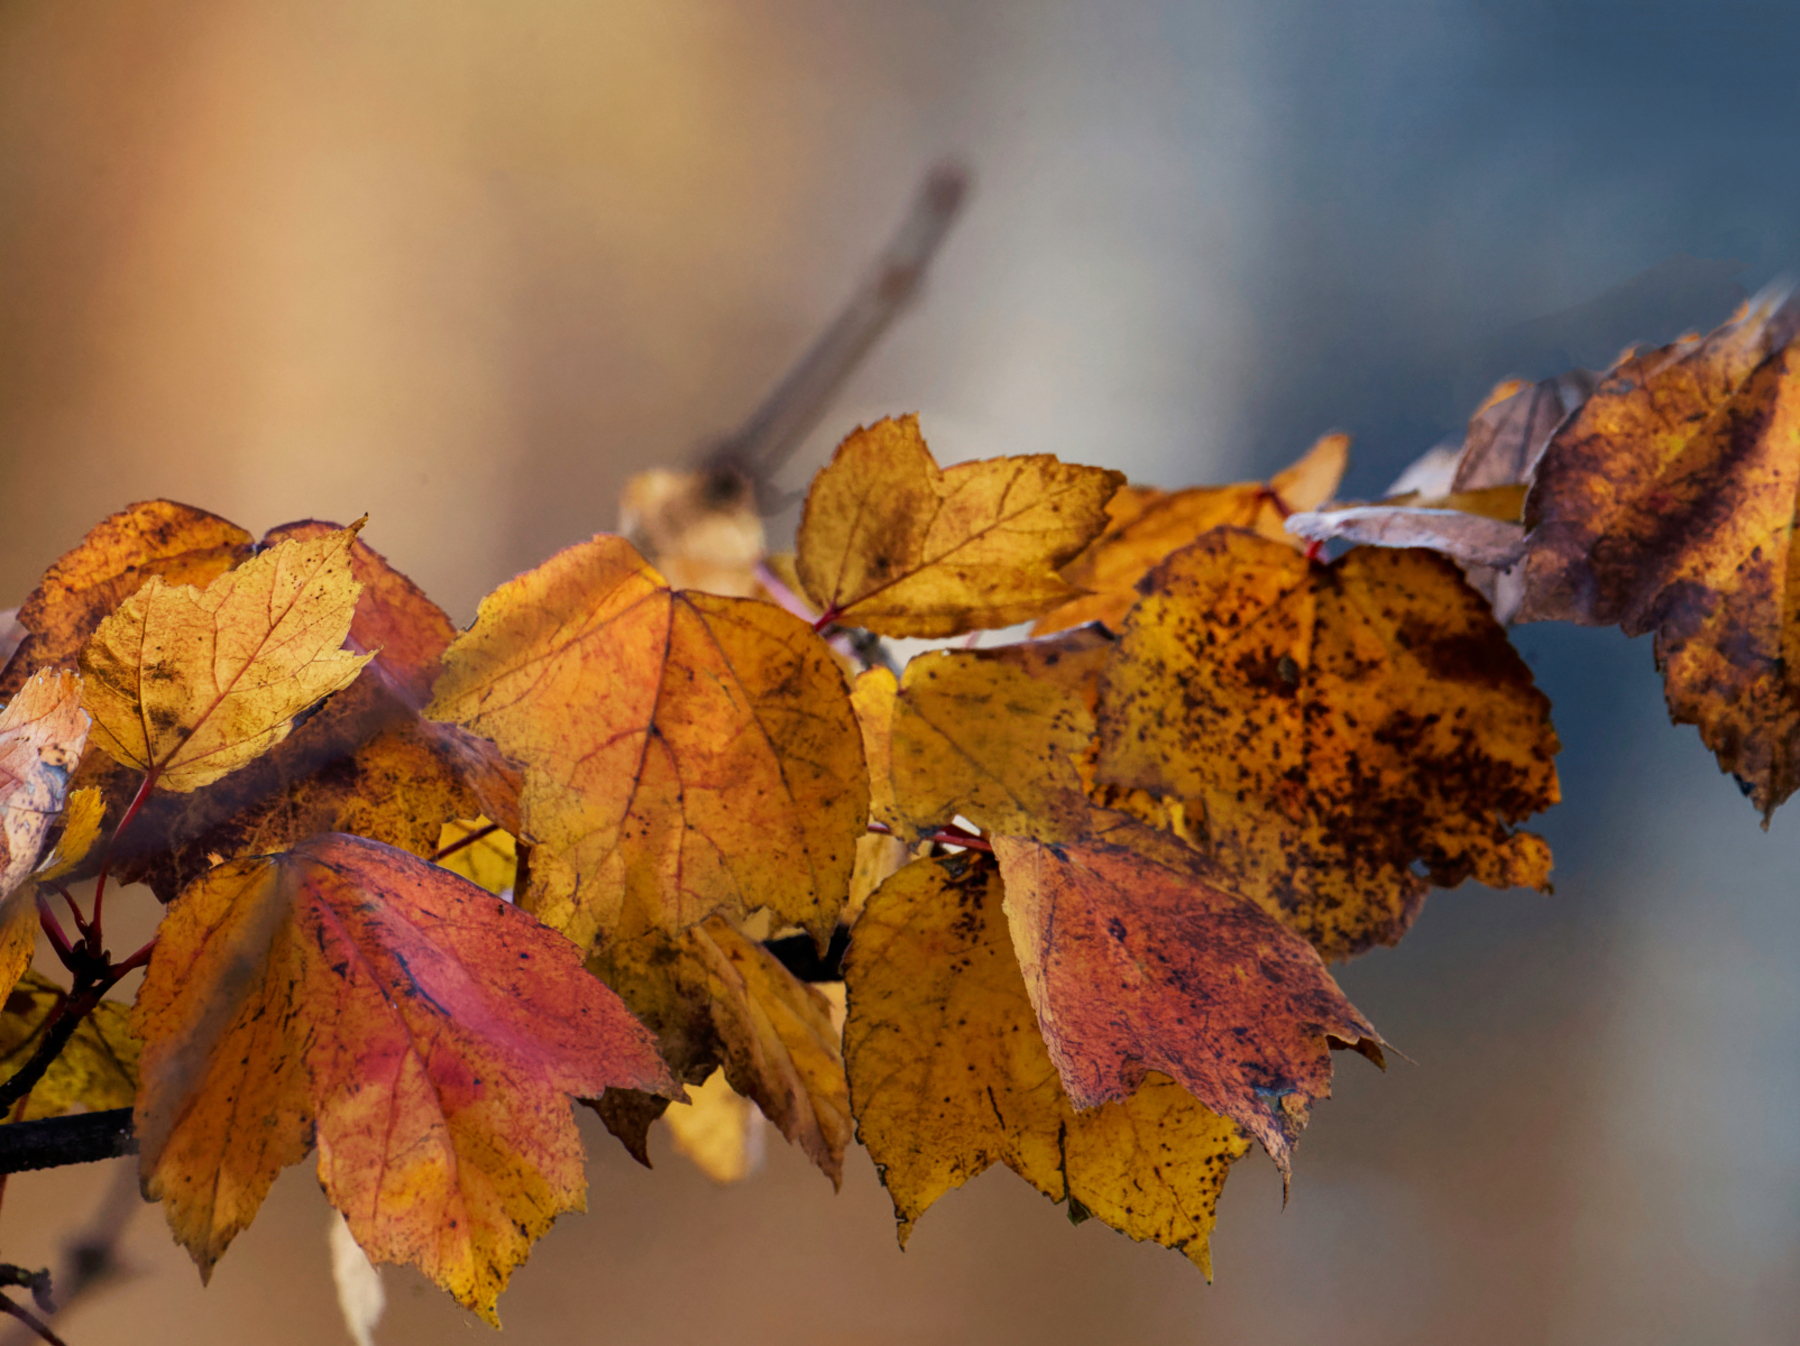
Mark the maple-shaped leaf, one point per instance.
(1667, 504)
(1342, 736)
(179, 543)
(1134, 964)
(995, 735)
(96, 1069)
(893, 543)
(716, 997)
(1145, 525)
(683, 752)
(949, 1075)
(42, 732)
(427, 1035)
(192, 684)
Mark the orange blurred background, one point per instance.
(465, 267)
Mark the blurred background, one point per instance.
(467, 266)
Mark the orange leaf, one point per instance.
(1326, 727)
(891, 542)
(1667, 504)
(427, 1034)
(1133, 965)
(1146, 525)
(181, 544)
(684, 753)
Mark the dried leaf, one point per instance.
(1510, 430)
(425, 1033)
(949, 1075)
(98, 1069)
(42, 732)
(1474, 528)
(1133, 966)
(180, 544)
(1667, 505)
(994, 735)
(718, 998)
(1332, 730)
(892, 543)
(686, 753)
(873, 696)
(81, 822)
(1146, 525)
(195, 683)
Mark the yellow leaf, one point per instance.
(715, 997)
(193, 684)
(1146, 525)
(949, 1075)
(872, 696)
(96, 1070)
(891, 542)
(491, 860)
(81, 820)
(684, 753)
(1332, 730)
(995, 735)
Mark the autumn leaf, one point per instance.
(1145, 525)
(42, 732)
(893, 543)
(192, 684)
(1133, 965)
(178, 543)
(873, 697)
(1667, 505)
(96, 1070)
(1511, 429)
(481, 851)
(81, 824)
(718, 998)
(685, 753)
(995, 735)
(1474, 528)
(949, 1075)
(427, 1035)
(1342, 736)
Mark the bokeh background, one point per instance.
(465, 266)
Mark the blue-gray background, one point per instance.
(465, 266)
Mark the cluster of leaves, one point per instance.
(424, 887)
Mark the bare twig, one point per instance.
(38, 1326)
(755, 452)
(90, 1257)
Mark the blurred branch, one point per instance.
(55, 1141)
(756, 451)
(90, 1256)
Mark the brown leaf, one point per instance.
(426, 1034)
(949, 1075)
(718, 998)
(891, 542)
(1147, 525)
(1667, 505)
(192, 684)
(1511, 429)
(1332, 730)
(1134, 966)
(684, 753)
(181, 544)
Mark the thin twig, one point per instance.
(31, 1320)
(437, 856)
(90, 1256)
(756, 451)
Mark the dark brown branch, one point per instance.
(55, 1141)
(758, 448)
